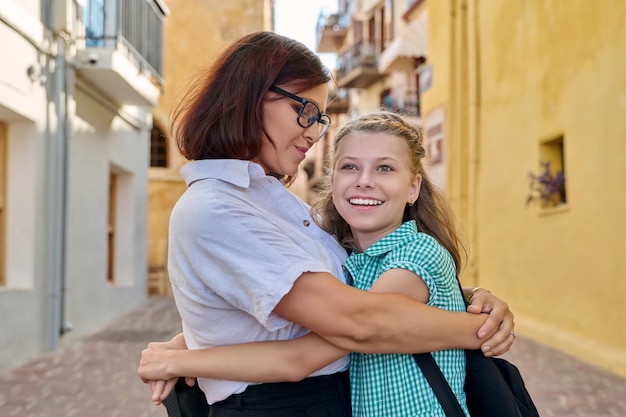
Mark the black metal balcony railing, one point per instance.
(358, 66)
(361, 54)
(407, 104)
(138, 26)
(411, 105)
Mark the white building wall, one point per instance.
(102, 141)
(57, 199)
(23, 110)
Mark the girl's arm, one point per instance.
(271, 361)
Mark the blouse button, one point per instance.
(306, 223)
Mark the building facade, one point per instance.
(196, 31)
(522, 106)
(77, 84)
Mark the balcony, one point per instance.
(407, 49)
(331, 31)
(358, 66)
(123, 55)
(402, 101)
(338, 101)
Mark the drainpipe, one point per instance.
(58, 179)
(65, 133)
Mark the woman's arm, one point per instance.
(296, 359)
(356, 320)
(271, 361)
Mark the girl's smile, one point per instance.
(372, 184)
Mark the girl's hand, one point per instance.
(153, 363)
(500, 320)
(161, 389)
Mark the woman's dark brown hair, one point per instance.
(221, 116)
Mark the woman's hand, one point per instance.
(500, 320)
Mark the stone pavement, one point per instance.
(96, 377)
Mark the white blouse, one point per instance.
(238, 240)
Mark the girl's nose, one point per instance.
(365, 180)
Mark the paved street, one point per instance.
(96, 377)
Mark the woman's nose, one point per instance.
(312, 133)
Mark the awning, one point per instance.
(411, 43)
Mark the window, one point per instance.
(547, 186)
(158, 148)
(93, 17)
(122, 256)
(112, 226)
(551, 153)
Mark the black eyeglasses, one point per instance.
(309, 113)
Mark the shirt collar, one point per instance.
(387, 243)
(235, 171)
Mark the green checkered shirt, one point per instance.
(392, 385)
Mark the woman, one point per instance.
(246, 260)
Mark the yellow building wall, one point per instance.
(520, 74)
(552, 68)
(195, 32)
(452, 96)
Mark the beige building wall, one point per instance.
(515, 77)
(196, 31)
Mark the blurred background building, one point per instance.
(523, 106)
(196, 31)
(77, 84)
(86, 179)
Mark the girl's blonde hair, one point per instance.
(431, 211)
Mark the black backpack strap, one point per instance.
(438, 383)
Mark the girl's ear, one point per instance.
(414, 191)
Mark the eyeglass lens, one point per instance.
(311, 114)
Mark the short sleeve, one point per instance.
(431, 262)
(245, 255)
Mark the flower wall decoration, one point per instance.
(546, 187)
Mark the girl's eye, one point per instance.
(385, 168)
(348, 167)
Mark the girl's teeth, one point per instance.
(365, 202)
